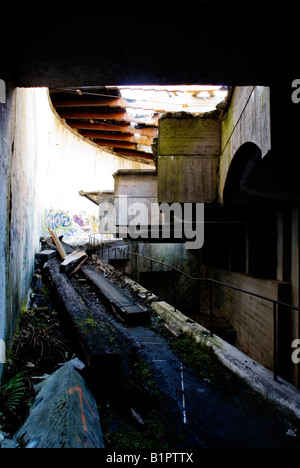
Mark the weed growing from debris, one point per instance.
(11, 396)
(39, 346)
(120, 430)
(203, 360)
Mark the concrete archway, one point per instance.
(242, 165)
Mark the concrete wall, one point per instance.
(139, 187)
(72, 165)
(6, 150)
(43, 166)
(247, 120)
(251, 317)
(188, 158)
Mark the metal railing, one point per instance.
(213, 282)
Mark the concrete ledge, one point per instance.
(258, 377)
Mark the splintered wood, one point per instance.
(58, 244)
(72, 262)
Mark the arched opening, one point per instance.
(242, 165)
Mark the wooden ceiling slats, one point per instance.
(115, 144)
(150, 132)
(140, 140)
(79, 114)
(102, 115)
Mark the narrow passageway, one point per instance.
(184, 396)
(154, 388)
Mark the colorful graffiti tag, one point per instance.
(88, 223)
(77, 226)
(57, 220)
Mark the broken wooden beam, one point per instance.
(78, 114)
(172, 330)
(58, 244)
(72, 261)
(135, 154)
(128, 310)
(44, 255)
(103, 345)
(148, 131)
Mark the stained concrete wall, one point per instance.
(247, 120)
(6, 149)
(188, 158)
(43, 166)
(251, 317)
(138, 187)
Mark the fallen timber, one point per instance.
(103, 346)
(122, 305)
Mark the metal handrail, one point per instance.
(230, 286)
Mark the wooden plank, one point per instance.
(150, 131)
(140, 140)
(174, 332)
(72, 260)
(107, 135)
(88, 101)
(78, 266)
(79, 114)
(114, 296)
(101, 342)
(172, 104)
(58, 244)
(136, 154)
(115, 144)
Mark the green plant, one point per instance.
(11, 393)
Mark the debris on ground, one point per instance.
(64, 415)
(169, 392)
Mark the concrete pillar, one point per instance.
(280, 246)
(247, 249)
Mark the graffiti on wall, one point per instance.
(70, 225)
(57, 220)
(88, 223)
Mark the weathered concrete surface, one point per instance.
(188, 158)
(64, 415)
(247, 120)
(251, 317)
(184, 134)
(257, 376)
(187, 179)
(138, 186)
